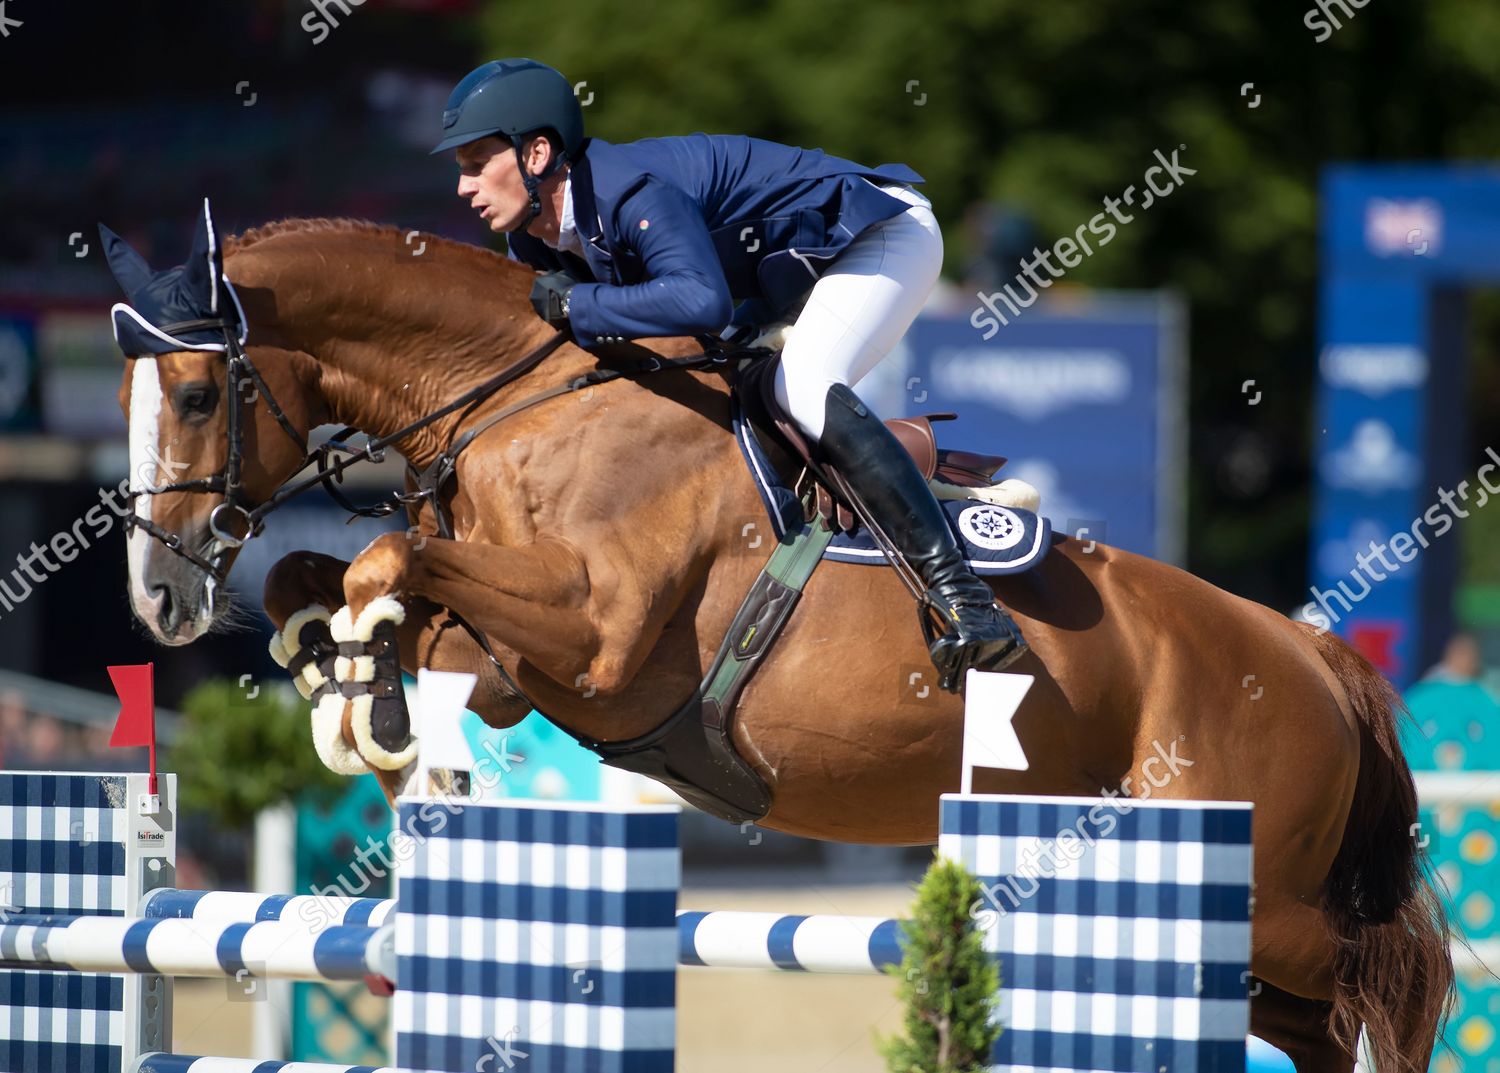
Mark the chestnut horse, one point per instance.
(599, 549)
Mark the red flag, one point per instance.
(136, 723)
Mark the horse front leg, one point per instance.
(305, 598)
(302, 592)
(532, 602)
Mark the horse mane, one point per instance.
(347, 225)
(478, 296)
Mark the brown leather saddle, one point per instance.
(967, 469)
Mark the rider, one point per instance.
(660, 237)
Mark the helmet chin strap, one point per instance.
(533, 184)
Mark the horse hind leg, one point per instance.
(1299, 1027)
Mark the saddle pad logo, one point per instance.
(990, 527)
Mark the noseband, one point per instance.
(235, 508)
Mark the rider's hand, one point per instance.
(549, 296)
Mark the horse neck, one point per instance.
(396, 379)
(398, 344)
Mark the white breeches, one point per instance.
(859, 308)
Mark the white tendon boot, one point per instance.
(293, 648)
(376, 674)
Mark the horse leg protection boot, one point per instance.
(977, 633)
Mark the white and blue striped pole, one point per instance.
(722, 939)
(189, 1063)
(174, 947)
(313, 911)
(862, 945)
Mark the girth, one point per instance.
(693, 751)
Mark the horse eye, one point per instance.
(196, 400)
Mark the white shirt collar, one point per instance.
(567, 231)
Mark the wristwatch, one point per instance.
(567, 301)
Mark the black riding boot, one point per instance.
(978, 633)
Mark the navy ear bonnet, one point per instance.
(158, 302)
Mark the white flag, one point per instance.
(441, 699)
(990, 704)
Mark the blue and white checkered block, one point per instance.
(63, 840)
(537, 935)
(1122, 928)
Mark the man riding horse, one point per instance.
(660, 237)
(533, 573)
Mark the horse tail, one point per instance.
(1393, 971)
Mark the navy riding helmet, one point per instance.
(513, 99)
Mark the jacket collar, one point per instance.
(585, 210)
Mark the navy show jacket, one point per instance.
(676, 230)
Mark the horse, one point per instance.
(598, 551)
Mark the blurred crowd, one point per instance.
(1455, 712)
(32, 738)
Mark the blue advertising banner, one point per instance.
(1393, 475)
(1086, 400)
(1400, 475)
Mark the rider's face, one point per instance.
(490, 182)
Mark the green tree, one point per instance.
(242, 749)
(949, 984)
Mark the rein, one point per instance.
(429, 481)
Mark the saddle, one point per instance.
(966, 469)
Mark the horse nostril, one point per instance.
(166, 614)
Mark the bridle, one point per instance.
(248, 520)
(227, 483)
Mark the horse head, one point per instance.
(323, 321)
(202, 453)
